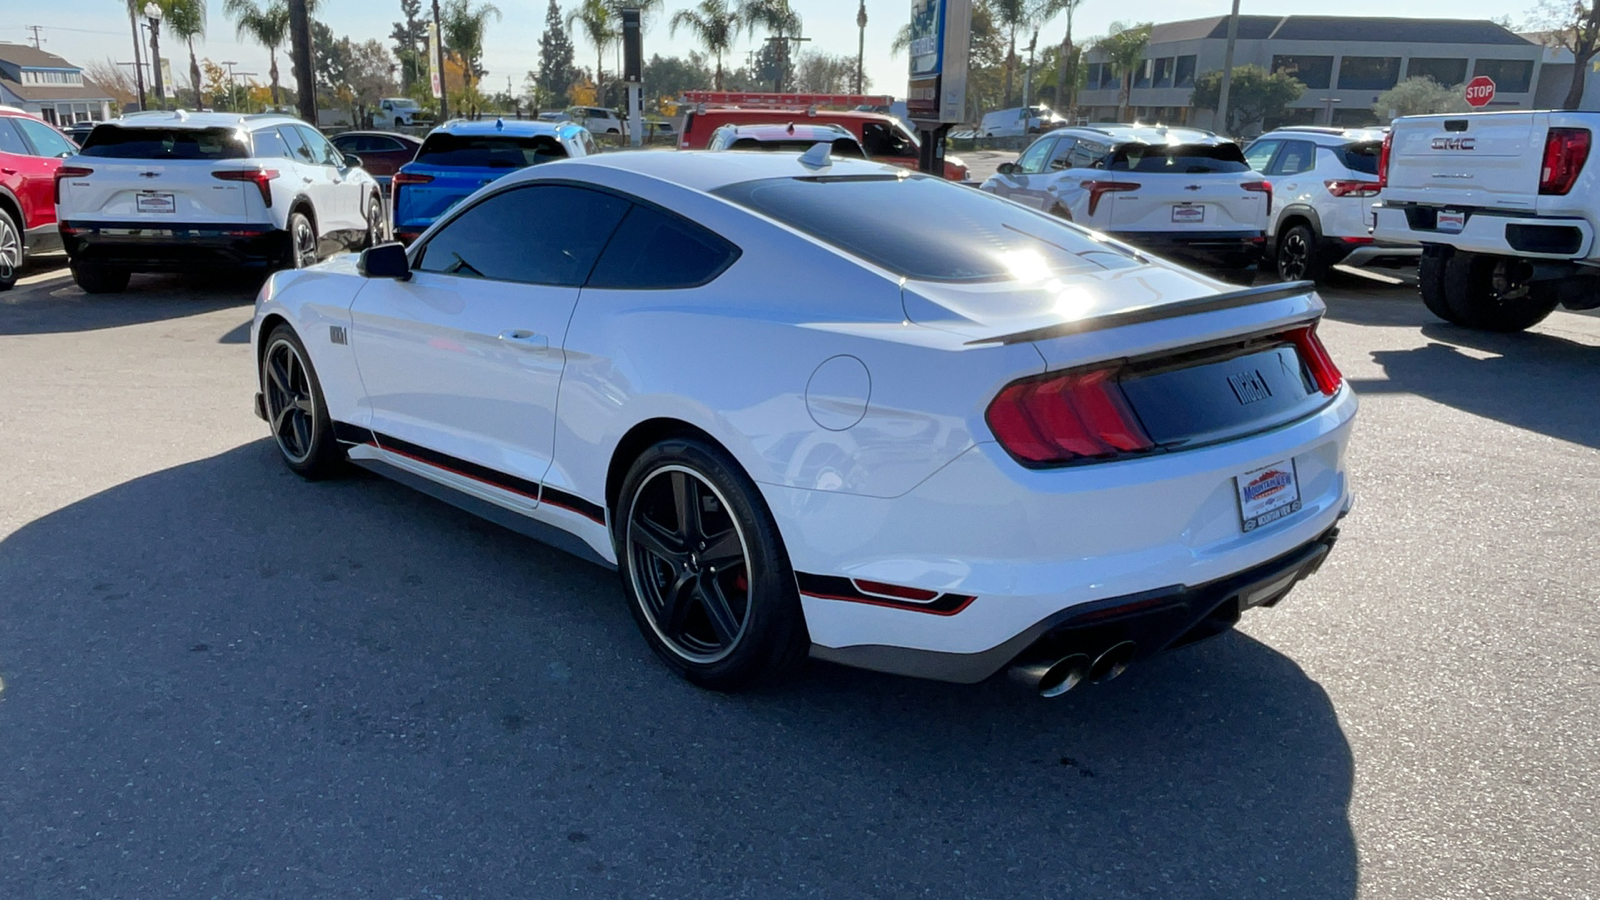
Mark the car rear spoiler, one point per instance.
(1154, 313)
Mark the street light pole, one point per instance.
(438, 65)
(1221, 124)
(861, 46)
(232, 97)
(153, 13)
(138, 61)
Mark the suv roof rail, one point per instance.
(1316, 129)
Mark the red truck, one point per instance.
(882, 136)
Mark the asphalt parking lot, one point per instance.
(219, 680)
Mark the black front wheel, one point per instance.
(705, 570)
(295, 408)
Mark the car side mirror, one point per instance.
(351, 161)
(385, 261)
(1006, 168)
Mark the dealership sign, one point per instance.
(1480, 90)
(940, 37)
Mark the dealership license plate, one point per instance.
(1451, 222)
(1267, 494)
(153, 202)
(1188, 214)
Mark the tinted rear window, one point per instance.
(115, 142)
(841, 147)
(652, 250)
(926, 228)
(1179, 159)
(1362, 157)
(488, 151)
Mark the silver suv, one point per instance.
(1324, 185)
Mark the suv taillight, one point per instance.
(1064, 418)
(1260, 187)
(1565, 152)
(409, 178)
(1383, 159)
(1351, 188)
(69, 172)
(258, 177)
(1098, 189)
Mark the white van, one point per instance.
(1018, 121)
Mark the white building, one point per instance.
(49, 86)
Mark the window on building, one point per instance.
(1312, 71)
(1358, 117)
(1141, 75)
(1369, 73)
(1183, 74)
(1094, 75)
(1448, 72)
(1163, 73)
(1511, 76)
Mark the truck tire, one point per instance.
(1485, 292)
(1430, 283)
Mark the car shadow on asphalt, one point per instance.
(58, 306)
(220, 679)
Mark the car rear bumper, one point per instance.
(1003, 555)
(1230, 249)
(175, 247)
(1489, 231)
(1376, 251)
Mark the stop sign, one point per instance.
(1480, 90)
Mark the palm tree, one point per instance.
(1124, 48)
(777, 18)
(186, 19)
(266, 25)
(463, 27)
(714, 25)
(595, 19)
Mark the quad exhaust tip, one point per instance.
(1052, 678)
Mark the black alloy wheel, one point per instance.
(296, 411)
(1297, 255)
(10, 251)
(302, 241)
(703, 565)
(1495, 293)
(375, 222)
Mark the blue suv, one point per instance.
(461, 156)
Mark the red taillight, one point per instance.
(403, 177)
(1062, 418)
(1565, 152)
(1098, 189)
(1340, 188)
(258, 177)
(1316, 358)
(1260, 187)
(69, 172)
(1383, 160)
(1357, 240)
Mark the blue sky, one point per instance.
(84, 30)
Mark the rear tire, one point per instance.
(1485, 292)
(302, 242)
(100, 279)
(1430, 283)
(704, 568)
(10, 251)
(375, 222)
(1298, 257)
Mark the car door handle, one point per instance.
(8, 171)
(522, 337)
(306, 179)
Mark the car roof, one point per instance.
(1324, 135)
(518, 127)
(782, 130)
(703, 170)
(375, 133)
(1141, 134)
(795, 114)
(185, 119)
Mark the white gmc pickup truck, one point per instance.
(1506, 207)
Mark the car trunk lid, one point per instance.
(1481, 160)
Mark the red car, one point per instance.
(30, 153)
(382, 153)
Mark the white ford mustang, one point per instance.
(829, 407)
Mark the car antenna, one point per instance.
(818, 157)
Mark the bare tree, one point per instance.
(1574, 26)
(116, 80)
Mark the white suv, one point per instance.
(1325, 182)
(597, 119)
(176, 192)
(1179, 192)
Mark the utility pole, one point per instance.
(233, 99)
(1027, 80)
(438, 64)
(305, 77)
(138, 63)
(1221, 125)
(861, 46)
(35, 29)
(153, 12)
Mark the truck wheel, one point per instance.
(1490, 293)
(1430, 282)
(399, 123)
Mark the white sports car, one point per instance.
(830, 407)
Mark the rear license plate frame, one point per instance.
(1188, 214)
(1268, 494)
(156, 202)
(1450, 221)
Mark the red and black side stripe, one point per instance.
(533, 490)
(833, 587)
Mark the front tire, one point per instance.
(296, 410)
(1489, 293)
(100, 279)
(704, 568)
(10, 251)
(1298, 257)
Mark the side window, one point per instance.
(46, 141)
(11, 139)
(376, 144)
(590, 148)
(1032, 160)
(540, 234)
(653, 250)
(298, 151)
(1296, 157)
(1060, 157)
(1087, 155)
(1259, 155)
(322, 152)
(269, 145)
